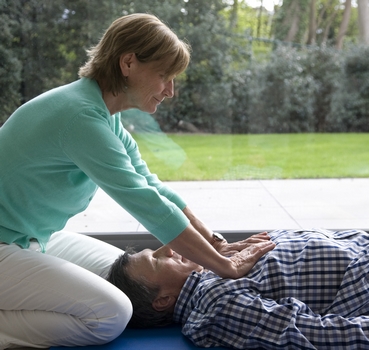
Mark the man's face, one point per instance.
(162, 267)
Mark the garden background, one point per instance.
(300, 69)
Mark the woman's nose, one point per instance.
(169, 89)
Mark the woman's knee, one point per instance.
(124, 311)
(117, 319)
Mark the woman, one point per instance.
(55, 151)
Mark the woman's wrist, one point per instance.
(216, 238)
(219, 243)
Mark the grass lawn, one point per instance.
(176, 157)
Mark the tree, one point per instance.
(10, 65)
(326, 18)
(259, 19)
(363, 19)
(295, 21)
(312, 23)
(251, 35)
(291, 20)
(233, 21)
(344, 24)
(233, 83)
(205, 88)
(43, 44)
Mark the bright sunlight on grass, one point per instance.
(186, 157)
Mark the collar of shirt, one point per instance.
(183, 305)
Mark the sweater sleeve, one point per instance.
(108, 155)
(141, 167)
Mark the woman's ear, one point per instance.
(125, 63)
(164, 302)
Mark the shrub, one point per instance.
(350, 105)
(305, 90)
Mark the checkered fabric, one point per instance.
(310, 292)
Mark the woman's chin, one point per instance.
(149, 110)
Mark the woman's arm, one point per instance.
(222, 246)
(192, 245)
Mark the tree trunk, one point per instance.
(322, 12)
(259, 19)
(234, 15)
(327, 28)
(295, 13)
(363, 19)
(312, 23)
(344, 24)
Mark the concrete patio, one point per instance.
(250, 205)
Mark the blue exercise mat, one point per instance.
(168, 338)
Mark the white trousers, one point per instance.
(60, 298)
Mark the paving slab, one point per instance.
(249, 205)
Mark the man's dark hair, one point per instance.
(140, 292)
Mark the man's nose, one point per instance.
(165, 251)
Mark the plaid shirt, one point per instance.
(310, 292)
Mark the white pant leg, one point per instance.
(46, 301)
(87, 252)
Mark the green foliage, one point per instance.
(292, 14)
(204, 90)
(350, 103)
(43, 44)
(10, 65)
(233, 85)
(279, 95)
(310, 90)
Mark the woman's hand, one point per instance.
(244, 261)
(227, 249)
(193, 246)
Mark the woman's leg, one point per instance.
(47, 301)
(87, 252)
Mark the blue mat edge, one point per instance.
(164, 338)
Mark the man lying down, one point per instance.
(310, 292)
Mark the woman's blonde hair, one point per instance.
(142, 34)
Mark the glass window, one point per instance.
(276, 95)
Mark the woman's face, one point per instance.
(148, 85)
(163, 267)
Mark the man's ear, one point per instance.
(125, 63)
(163, 302)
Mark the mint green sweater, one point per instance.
(55, 151)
